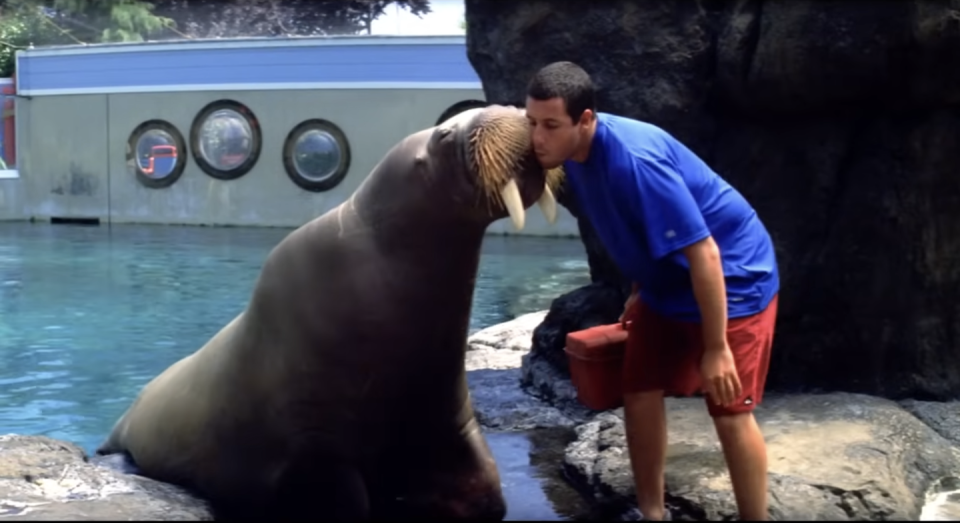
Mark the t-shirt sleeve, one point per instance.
(670, 215)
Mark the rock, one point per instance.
(831, 457)
(835, 119)
(545, 372)
(43, 479)
(943, 417)
(501, 346)
(501, 404)
(493, 374)
(598, 303)
(551, 386)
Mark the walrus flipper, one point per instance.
(119, 461)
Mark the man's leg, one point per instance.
(744, 448)
(651, 364)
(745, 452)
(646, 427)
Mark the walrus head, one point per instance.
(503, 175)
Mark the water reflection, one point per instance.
(530, 472)
(942, 501)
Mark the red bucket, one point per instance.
(595, 356)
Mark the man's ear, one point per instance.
(586, 117)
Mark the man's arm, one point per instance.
(674, 226)
(673, 223)
(709, 288)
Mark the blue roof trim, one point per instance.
(333, 62)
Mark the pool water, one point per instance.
(88, 315)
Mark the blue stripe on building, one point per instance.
(190, 65)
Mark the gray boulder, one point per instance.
(942, 416)
(831, 457)
(43, 479)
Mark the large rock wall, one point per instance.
(837, 120)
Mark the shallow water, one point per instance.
(943, 501)
(529, 465)
(88, 315)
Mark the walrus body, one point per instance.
(340, 390)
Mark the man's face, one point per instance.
(556, 137)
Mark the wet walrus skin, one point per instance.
(340, 392)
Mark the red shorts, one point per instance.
(664, 354)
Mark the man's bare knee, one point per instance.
(735, 427)
(643, 398)
(733, 423)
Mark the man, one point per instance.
(704, 272)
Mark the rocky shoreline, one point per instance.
(832, 456)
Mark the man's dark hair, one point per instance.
(565, 80)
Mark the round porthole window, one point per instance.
(316, 155)
(156, 154)
(226, 140)
(458, 108)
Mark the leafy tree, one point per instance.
(22, 25)
(107, 20)
(56, 22)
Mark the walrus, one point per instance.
(340, 390)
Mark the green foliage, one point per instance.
(22, 24)
(58, 22)
(114, 20)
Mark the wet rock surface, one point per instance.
(43, 479)
(494, 359)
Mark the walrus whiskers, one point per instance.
(496, 147)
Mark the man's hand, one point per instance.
(719, 374)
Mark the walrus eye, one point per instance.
(510, 194)
(548, 205)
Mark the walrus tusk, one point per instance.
(548, 204)
(510, 194)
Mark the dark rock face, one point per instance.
(838, 120)
(599, 303)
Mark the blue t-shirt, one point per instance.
(648, 196)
